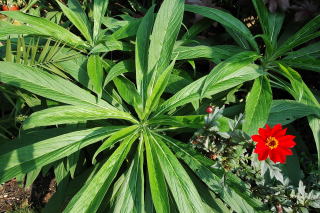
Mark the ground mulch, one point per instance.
(14, 196)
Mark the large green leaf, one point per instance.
(287, 111)
(118, 69)
(155, 91)
(99, 11)
(116, 137)
(47, 85)
(112, 45)
(258, 106)
(306, 33)
(11, 29)
(308, 51)
(25, 156)
(77, 16)
(182, 188)
(89, 198)
(141, 52)
(191, 121)
(301, 92)
(47, 28)
(158, 186)
(226, 75)
(217, 52)
(73, 114)
(306, 63)
(231, 190)
(229, 67)
(95, 73)
(129, 93)
(226, 19)
(271, 23)
(127, 30)
(164, 35)
(131, 195)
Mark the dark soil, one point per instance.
(14, 196)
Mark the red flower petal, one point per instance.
(273, 142)
(261, 147)
(257, 138)
(280, 133)
(287, 141)
(285, 151)
(276, 156)
(263, 155)
(276, 129)
(263, 133)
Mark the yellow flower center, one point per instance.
(272, 142)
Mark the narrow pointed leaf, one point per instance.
(76, 15)
(225, 19)
(95, 73)
(99, 11)
(131, 195)
(27, 155)
(118, 69)
(306, 33)
(226, 75)
(154, 92)
(217, 52)
(158, 186)
(183, 190)
(47, 27)
(89, 198)
(47, 85)
(129, 93)
(287, 111)
(258, 106)
(73, 114)
(233, 192)
(300, 91)
(164, 34)
(141, 52)
(116, 137)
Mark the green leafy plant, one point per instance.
(278, 55)
(139, 166)
(230, 148)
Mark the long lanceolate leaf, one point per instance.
(226, 75)
(131, 194)
(142, 48)
(116, 137)
(158, 186)
(73, 114)
(95, 73)
(99, 11)
(232, 192)
(47, 85)
(271, 23)
(226, 20)
(300, 91)
(306, 33)
(77, 16)
(155, 92)
(182, 188)
(287, 111)
(258, 105)
(89, 198)
(47, 28)
(164, 35)
(23, 157)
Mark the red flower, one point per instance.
(273, 142)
